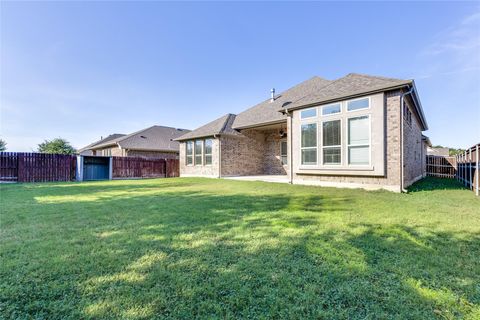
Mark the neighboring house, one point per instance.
(356, 131)
(444, 152)
(155, 141)
(87, 151)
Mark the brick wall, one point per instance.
(200, 170)
(254, 152)
(243, 154)
(413, 159)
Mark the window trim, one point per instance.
(307, 109)
(205, 154)
(331, 114)
(337, 146)
(310, 164)
(362, 109)
(186, 153)
(195, 153)
(348, 145)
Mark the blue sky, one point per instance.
(85, 70)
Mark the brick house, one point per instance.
(356, 131)
(155, 141)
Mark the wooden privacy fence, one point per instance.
(42, 167)
(468, 168)
(139, 167)
(36, 167)
(440, 166)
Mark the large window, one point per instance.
(332, 142)
(358, 104)
(283, 152)
(189, 153)
(309, 144)
(359, 140)
(208, 151)
(198, 152)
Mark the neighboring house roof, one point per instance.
(153, 138)
(438, 152)
(110, 138)
(220, 126)
(267, 111)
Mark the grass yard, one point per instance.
(208, 248)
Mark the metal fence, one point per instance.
(468, 168)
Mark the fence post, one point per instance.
(20, 167)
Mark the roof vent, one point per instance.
(272, 95)
(143, 137)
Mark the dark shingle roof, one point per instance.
(222, 125)
(351, 85)
(268, 112)
(153, 138)
(110, 138)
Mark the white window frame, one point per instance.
(348, 145)
(192, 155)
(307, 109)
(205, 154)
(307, 148)
(337, 146)
(331, 114)
(195, 153)
(356, 110)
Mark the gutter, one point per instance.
(290, 138)
(263, 124)
(402, 103)
(215, 136)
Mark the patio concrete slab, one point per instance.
(265, 178)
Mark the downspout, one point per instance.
(290, 135)
(219, 155)
(402, 103)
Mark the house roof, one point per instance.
(220, 126)
(152, 138)
(351, 85)
(267, 111)
(111, 137)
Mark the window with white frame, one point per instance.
(189, 153)
(358, 104)
(331, 109)
(208, 151)
(359, 140)
(283, 152)
(198, 152)
(309, 144)
(308, 113)
(332, 142)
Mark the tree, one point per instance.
(3, 145)
(58, 145)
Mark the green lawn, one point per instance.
(209, 248)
